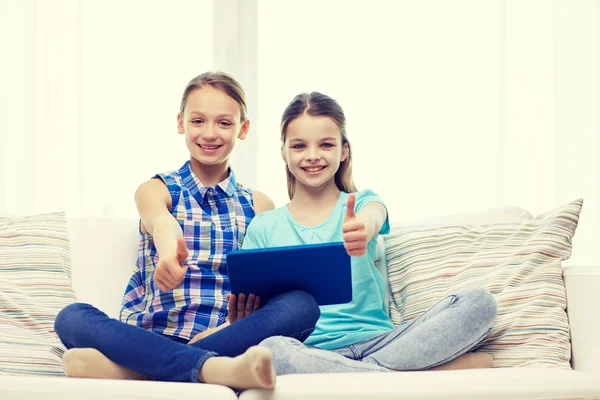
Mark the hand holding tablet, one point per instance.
(323, 270)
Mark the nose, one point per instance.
(313, 155)
(209, 132)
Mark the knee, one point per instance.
(484, 305)
(273, 343)
(284, 352)
(70, 316)
(303, 305)
(280, 345)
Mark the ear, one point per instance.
(345, 151)
(283, 154)
(180, 127)
(244, 131)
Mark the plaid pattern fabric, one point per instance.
(214, 221)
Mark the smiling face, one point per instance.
(313, 151)
(211, 125)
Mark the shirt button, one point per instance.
(224, 250)
(222, 227)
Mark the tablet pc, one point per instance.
(323, 270)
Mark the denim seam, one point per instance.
(354, 351)
(199, 364)
(331, 361)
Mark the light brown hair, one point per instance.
(318, 104)
(220, 81)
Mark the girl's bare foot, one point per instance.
(467, 361)
(90, 363)
(253, 369)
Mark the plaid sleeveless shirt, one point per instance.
(213, 221)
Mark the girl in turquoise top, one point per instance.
(326, 207)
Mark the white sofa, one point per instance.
(103, 252)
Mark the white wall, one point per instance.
(89, 99)
(451, 106)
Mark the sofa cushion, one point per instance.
(35, 284)
(486, 216)
(518, 262)
(507, 383)
(62, 388)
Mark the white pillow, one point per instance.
(35, 284)
(518, 262)
(481, 217)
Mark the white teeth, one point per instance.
(313, 169)
(208, 147)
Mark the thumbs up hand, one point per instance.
(170, 270)
(354, 230)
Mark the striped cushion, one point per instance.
(35, 284)
(518, 262)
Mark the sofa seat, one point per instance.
(489, 384)
(55, 388)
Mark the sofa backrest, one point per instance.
(104, 252)
(103, 256)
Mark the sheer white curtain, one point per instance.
(90, 91)
(451, 106)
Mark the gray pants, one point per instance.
(452, 327)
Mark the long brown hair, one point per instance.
(317, 104)
(220, 81)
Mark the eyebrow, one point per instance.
(218, 116)
(322, 140)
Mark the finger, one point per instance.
(256, 303)
(355, 236)
(241, 305)
(164, 275)
(250, 304)
(182, 250)
(357, 244)
(178, 273)
(356, 249)
(355, 253)
(350, 207)
(232, 308)
(353, 225)
(172, 275)
(160, 284)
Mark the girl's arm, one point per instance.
(262, 202)
(358, 229)
(153, 202)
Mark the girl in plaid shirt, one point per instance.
(173, 318)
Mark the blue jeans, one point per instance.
(447, 330)
(165, 358)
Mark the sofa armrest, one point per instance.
(583, 309)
